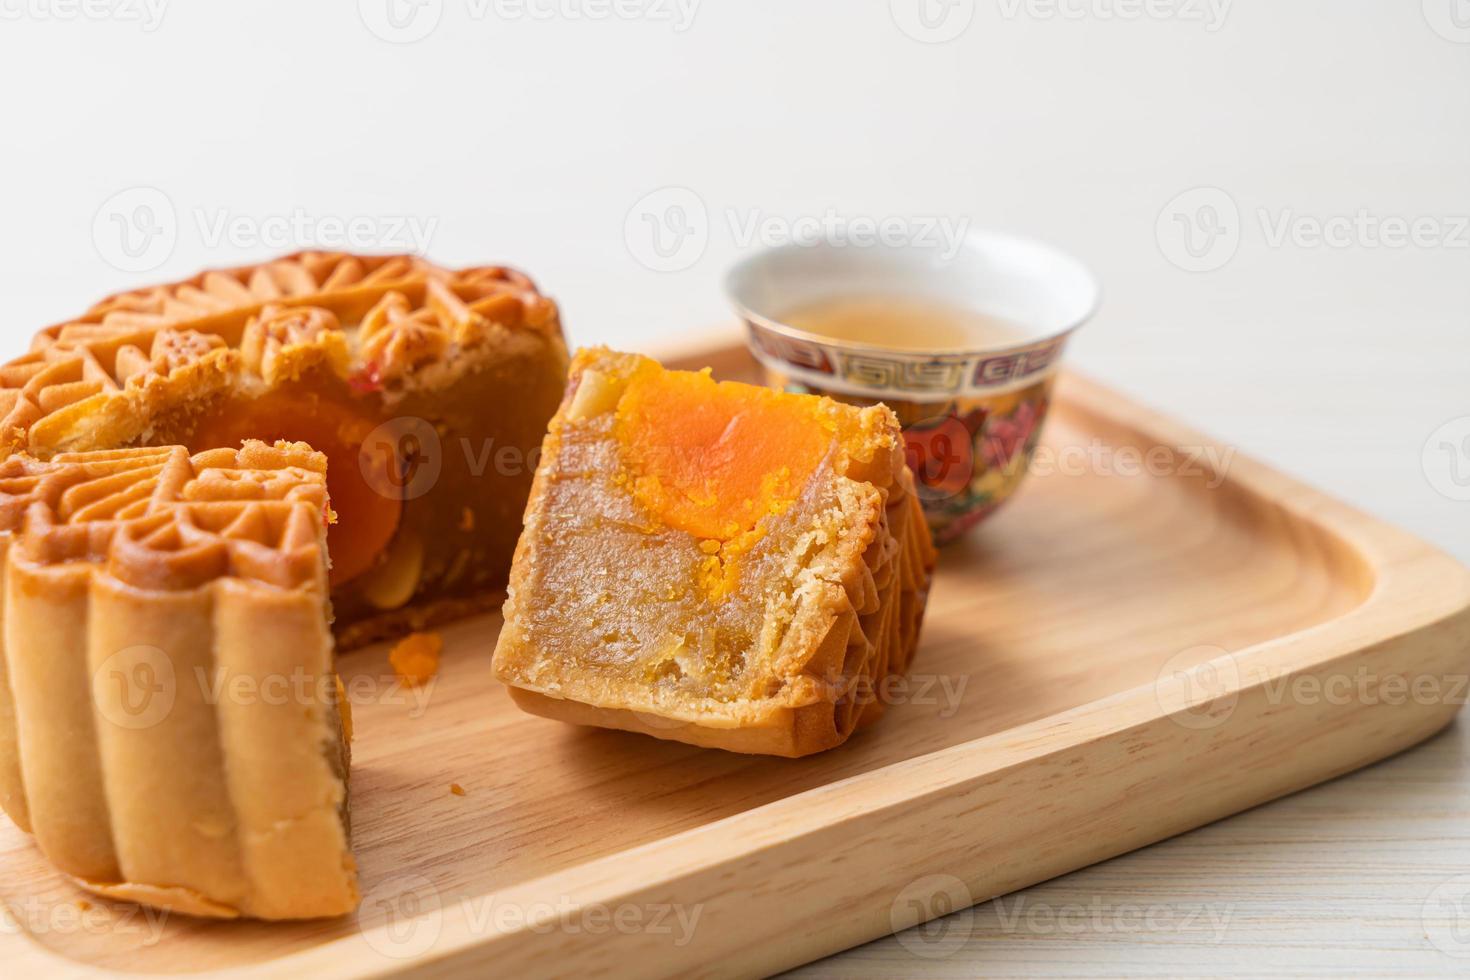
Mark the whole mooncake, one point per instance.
(427, 389)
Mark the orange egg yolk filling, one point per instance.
(366, 519)
(715, 458)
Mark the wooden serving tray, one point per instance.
(1111, 660)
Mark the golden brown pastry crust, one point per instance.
(173, 732)
(97, 382)
(830, 601)
(473, 358)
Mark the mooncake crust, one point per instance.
(390, 324)
(153, 600)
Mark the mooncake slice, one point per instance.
(428, 390)
(171, 729)
(712, 562)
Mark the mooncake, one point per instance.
(713, 562)
(427, 389)
(171, 728)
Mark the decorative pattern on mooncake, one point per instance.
(427, 389)
(714, 563)
(169, 715)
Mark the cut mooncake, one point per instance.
(427, 389)
(714, 562)
(171, 728)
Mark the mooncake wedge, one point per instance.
(171, 728)
(428, 389)
(712, 562)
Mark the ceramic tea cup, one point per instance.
(963, 344)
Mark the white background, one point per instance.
(530, 139)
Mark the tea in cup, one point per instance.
(963, 348)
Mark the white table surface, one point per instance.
(544, 142)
